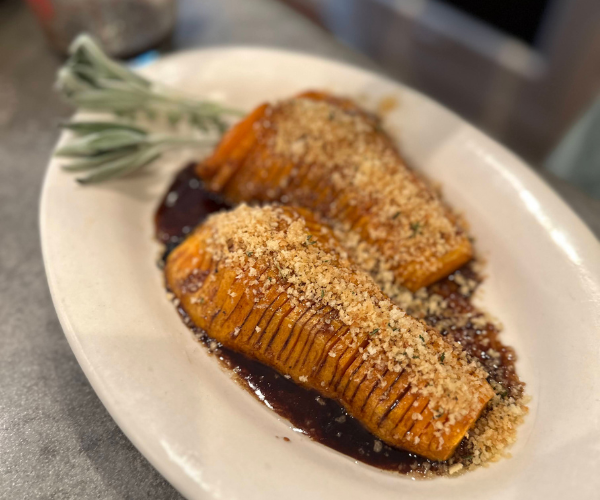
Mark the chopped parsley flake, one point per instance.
(416, 227)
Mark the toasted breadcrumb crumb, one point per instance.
(367, 191)
(280, 239)
(496, 429)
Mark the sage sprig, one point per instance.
(108, 150)
(93, 81)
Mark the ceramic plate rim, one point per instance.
(578, 233)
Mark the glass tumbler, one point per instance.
(123, 27)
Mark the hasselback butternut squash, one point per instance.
(276, 285)
(326, 154)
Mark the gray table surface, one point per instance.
(56, 438)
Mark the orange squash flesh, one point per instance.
(245, 167)
(310, 344)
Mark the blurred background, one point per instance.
(525, 71)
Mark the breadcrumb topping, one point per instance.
(407, 222)
(313, 269)
(496, 429)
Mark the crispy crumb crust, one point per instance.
(276, 273)
(326, 154)
(496, 429)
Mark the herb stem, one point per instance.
(112, 149)
(93, 81)
(109, 149)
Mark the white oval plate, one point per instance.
(209, 437)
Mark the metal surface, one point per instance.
(56, 438)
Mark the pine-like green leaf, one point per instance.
(100, 142)
(91, 127)
(121, 167)
(93, 81)
(91, 162)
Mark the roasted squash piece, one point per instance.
(275, 284)
(326, 154)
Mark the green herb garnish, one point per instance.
(93, 81)
(416, 227)
(109, 149)
(442, 357)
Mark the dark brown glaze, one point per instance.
(323, 419)
(184, 206)
(477, 341)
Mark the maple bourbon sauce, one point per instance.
(185, 205)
